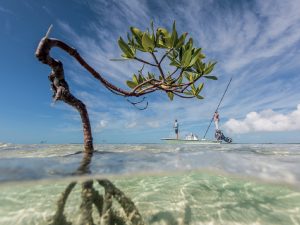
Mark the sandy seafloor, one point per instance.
(169, 184)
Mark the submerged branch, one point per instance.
(127, 204)
(59, 217)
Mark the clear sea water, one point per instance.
(169, 184)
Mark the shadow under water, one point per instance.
(194, 198)
(179, 197)
(102, 202)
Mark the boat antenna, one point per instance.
(217, 107)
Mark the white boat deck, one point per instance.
(186, 141)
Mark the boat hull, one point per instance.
(193, 142)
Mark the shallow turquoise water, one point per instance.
(186, 198)
(230, 184)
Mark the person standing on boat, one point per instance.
(216, 119)
(176, 126)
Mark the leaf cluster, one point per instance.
(186, 60)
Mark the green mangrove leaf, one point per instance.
(174, 36)
(152, 27)
(209, 67)
(139, 47)
(125, 48)
(170, 95)
(180, 80)
(135, 79)
(200, 87)
(163, 31)
(202, 56)
(200, 66)
(151, 76)
(131, 84)
(198, 75)
(187, 75)
(199, 97)
(168, 42)
(181, 51)
(175, 63)
(137, 33)
(181, 41)
(175, 54)
(130, 39)
(189, 44)
(194, 89)
(140, 78)
(160, 43)
(186, 58)
(148, 43)
(197, 65)
(195, 57)
(211, 77)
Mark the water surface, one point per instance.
(169, 184)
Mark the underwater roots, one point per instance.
(126, 214)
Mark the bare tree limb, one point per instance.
(164, 56)
(158, 65)
(143, 61)
(136, 103)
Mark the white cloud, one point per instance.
(132, 124)
(153, 124)
(257, 43)
(90, 100)
(101, 125)
(265, 121)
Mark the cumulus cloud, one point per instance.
(265, 121)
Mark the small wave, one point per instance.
(3, 146)
(272, 161)
(274, 152)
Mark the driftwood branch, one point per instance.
(43, 54)
(60, 87)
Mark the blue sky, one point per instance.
(255, 42)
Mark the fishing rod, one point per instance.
(217, 107)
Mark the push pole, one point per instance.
(217, 107)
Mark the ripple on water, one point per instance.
(192, 197)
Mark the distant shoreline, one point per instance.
(146, 143)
